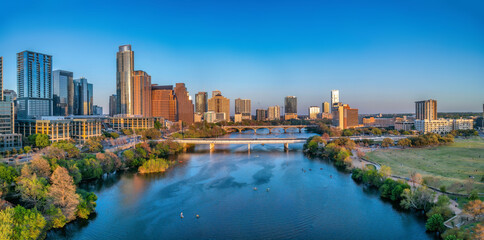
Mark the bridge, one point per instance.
(269, 127)
(213, 141)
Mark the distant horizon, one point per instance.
(382, 56)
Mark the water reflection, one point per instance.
(323, 203)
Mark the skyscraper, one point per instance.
(184, 104)
(326, 108)
(163, 102)
(112, 105)
(219, 104)
(1, 78)
(83, 97)
(124, 80)
(274, 113)
(426, 110)
(242, 106)
(334, 97)
(63, 92)
(34, 84)
(201, 102)
(142, 94)
(345, 117)
(290, 107)
(261, 114)
(313, 112)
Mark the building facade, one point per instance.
(141, 94)
(124, 80)
(239, 117)
(261, 114)
(345, 117)
(34, 85)
(201, 105)
(131, 122)
(334, 98)
(1, 77)
(219, 104)
(325, 107)
(97, 110)
(83, 97)
(163, 102)
(426, 110)
(83, 129)
(274, 113)
(63, 93)
(242, 106)
(58, 129)
(290, 107)
(7, 117)
(112, 105)
(184, 104)
(314, 112)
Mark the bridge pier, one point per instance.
(300, 130)
(286, 146)
(240, 130)
(285, 130)
(255, 130)
(248, 147)
(270, 131)
(212, 146)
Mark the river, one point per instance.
(321, 203)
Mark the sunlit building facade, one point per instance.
(141, 94)
(219, 104)
(201, 104)
(163, 102)
(242, 106)
(426, 110)
(274, 113)
(184, 104)
(124, 80)
(290, 108)
(63, 92)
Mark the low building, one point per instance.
(290, 116)
(239, 117)
(404, 125)
(378, 122)
(7, 117)
(325, 115)
(131, 122)
(83, 129)
(198, 117)
(443, 126)
(57, 128)
(10, 141)
(463, 124)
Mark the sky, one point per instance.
(382, 55)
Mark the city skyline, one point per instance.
(383, 70)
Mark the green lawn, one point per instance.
(448, 166)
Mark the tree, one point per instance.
(474, 208)
(151, 133)
(33, 190)
(376, 131)
(360, 154)
(158, 125)
(8, 175)
(419, 198)
(71, 150)
(387, 142)
(404, 142)
(479, 231)
(27, 149)
(92, 145)
(154, 165)
(55, 218)
(21, 223)
(42, 140)
(87, 204)
(474, 195)
(435, 223)
(53, 152)
(416, 178)
(385, 171)
(62, 193)
(40, 166)
(90, 168)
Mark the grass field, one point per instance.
(448, 166)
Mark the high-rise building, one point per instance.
(83, 97)
(261, 114)
(242, 106)
(9, 95)
(274, 113)
(290, 107)
(313, 112)
(201, 104)
(124, 80)
(345, 117)
(34, 84)
(326, 108)
(163, 102)
(141, 94)
(1, 77)
(63, 92)
(426, 110)
(112, 105)
(219, 104)
(334, 97)
(184, 104)
(97, 110)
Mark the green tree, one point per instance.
(55, 218)
(27, 149)
(376, 131)
(8, 175)
(87, 203)
(154, 165)
(419, 198)
(404, 142)
(435, 223)
(21, 223)
(42, 140)
(90, 168)
(71, 150)
(93, 145)
(158, 125)
(32, 189)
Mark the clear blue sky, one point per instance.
(381, 55)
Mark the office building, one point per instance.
(1, 77)
(57, 128)
(10, 141)
(426, 110)
(7, 117)
(404, 125)
(141, 94)
(112, 105)
(97, 110)
(163, 102)
(314, 112)
(290, 107)
(242, 106)
(201, 104)
(261, 114)
(83, 97)
(274, 113)
(345, 117)
(9, 95)
(239, 117)
(34, 85)
(326, 108)
(219, 104)
(124, 80)
(133, 122)
(439, 126)
(334, 98)
(378, 122)
(81, 129)
(184, 104)
(63, 92)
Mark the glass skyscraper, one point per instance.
(63, 92)
(83, 97)
(290, 104)
(201, 102)
(124, 80)
(34, 84)
(1, 78)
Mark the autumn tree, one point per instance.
(479, 231)
(62, 193)
(92, 145)
(387, 142)
(385, 171)
(32, 189)
(404, 142)
(40, 166)
(474, 208)
(416, 178)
